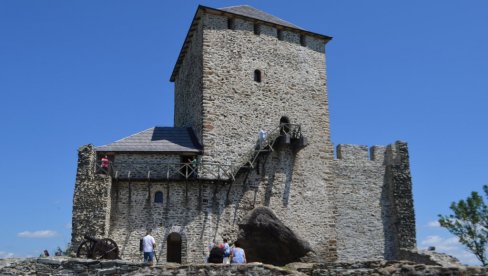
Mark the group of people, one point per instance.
(222, 253)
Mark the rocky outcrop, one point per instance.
(266, 239)
(429, 257)
(68, 266)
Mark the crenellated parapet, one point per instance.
(374, 201)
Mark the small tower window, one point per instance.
(257, 75)
(280, 34)
(303, 42)
(230, 23)
(158, 197)
(257, 29)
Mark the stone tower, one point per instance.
(218, 92)
(240, 71)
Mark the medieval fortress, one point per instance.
(241, 70)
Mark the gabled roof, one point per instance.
(251, 12)
(157, 139)
(244, 12)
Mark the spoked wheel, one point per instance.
(85, 250)
(106, 249)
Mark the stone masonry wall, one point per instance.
(138, 165)
(361, 202)
(188, 87)
(401, 196)
(184, 210)
(374, 202)
(68, 266)
(293, 85)
(203, 211)
(91, 200)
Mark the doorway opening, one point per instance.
(174, 248)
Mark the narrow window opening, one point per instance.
(257, 76)
(158, 197)
(303, 42)
(230, 23)
(257, 29)
(280, 35)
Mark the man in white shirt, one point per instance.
(148, 244)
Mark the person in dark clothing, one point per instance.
(216, 255)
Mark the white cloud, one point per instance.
(450, 246)
(5, 255)
(67, 226)
(434, 224)
(37, 234)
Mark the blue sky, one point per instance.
(78, 72)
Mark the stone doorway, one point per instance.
(173, 255)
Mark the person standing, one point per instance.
(237, 254)
(262, 136)
(226, 252)
(216, 255)
(148, 244)
(105, 164)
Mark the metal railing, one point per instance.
(249, 158)
(199, 170)
(166, 171)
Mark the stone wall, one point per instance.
(235, 107)
(66, 266)
(375, 216)
(202, 211)
(91, 200)
(138, 165)
(188, 87)
(184, 210)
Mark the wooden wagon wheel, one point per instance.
(85, 250)
(106, 249)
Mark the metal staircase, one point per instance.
(287, 132)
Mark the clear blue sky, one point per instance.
(78, 72)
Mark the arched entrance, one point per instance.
(173, 255)
(285, 125)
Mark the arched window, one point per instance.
(257, 76)
(158, 197)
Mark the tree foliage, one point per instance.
(470, 223)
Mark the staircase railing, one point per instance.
(200, 170)
(250, 157)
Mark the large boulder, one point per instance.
(266, 239)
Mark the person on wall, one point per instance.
(105, 164)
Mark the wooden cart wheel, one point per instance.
(85, 250)
(106, 249)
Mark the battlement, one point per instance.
(388, 154)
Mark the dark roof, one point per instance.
(157, 139)
(245, 12)
(251, 12)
